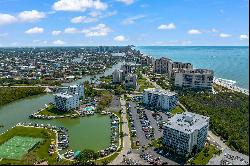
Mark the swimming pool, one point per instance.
(88, 109)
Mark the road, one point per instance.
(126, 139)
(217, 140)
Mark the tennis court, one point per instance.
(16, 147)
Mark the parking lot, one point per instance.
(144, 122)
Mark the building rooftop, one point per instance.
(160, 91)
(198, 71)
(63, 95)
(187, 122)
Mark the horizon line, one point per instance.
(126, 45)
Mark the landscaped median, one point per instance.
(177, 110)
(37, 152)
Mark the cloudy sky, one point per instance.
(123, 22)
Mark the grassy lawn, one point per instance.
(52, 111)
(40, 152)
(144, 84)
(177, 110)
(107, 79)
(107, 160)
(205, 155)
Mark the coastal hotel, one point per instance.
(184, 75)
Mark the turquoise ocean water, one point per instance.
(230, 63)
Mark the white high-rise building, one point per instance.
(131, 81)
(79, 89)
(117, 76)
(183, 132)
(160, 99)
(66, 102)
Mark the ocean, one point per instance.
(228, 62)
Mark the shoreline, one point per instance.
(229, 86)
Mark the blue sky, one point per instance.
(123, 22)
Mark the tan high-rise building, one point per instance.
(194, 79)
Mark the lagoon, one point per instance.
(86, 132)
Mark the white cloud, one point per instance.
(99, 30)
(95, 13)
(71, 30)
(34, 30)
(40, 42)
(221, 11)
(83, 19)
(55, 33)
(7, 19)
(167, 26)
(224, 35)
(79, 5)
(59, 42)
(131, 20)
(127, 2)
(3, 34)
(109, 14)
(30, 16)
(119, 38)
(214, 30)
(194, 32)
(244, 37)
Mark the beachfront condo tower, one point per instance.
(185, 132)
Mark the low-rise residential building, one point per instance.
(117, 76)
(131, 81)
(66, 102)
(79, 89)
(194, 79)
(160, 99)
(185, 132)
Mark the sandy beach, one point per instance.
(231, 86)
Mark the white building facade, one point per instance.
(76, 89)
(117, 76)
(131, 81)
(183, 132)
(66, 102)
(160, 99)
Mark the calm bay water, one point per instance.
(84, 133)
(230, 63)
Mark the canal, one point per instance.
(87, 132)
